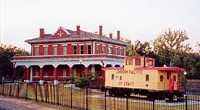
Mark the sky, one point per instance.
(136, 19)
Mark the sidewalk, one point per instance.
(8, 103)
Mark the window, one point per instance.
(150, 62)
(168, 75)
(74, 49)
(82, 49)
(174, 78)
(161, 78)
(103, 49)
(118, 51)
(120, 77)
(137, 61)
(99, 49)
(89, 49)
(113, 76)
(122, 51)
(147, 77)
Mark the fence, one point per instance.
(67, 95)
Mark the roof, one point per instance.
(165, 69)
(113, 68)
(73, 36)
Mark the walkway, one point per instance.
(7, 103)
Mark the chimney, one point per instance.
(100, 30)
(42, 33)
(118, 35)
(78, 30)
(110, 35)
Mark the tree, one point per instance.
(140, 48)
(130, 50)
(6, 66)
(171, 47)
(198, 47)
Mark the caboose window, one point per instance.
(112, 76)
(137, 61)
(147, 77)
(161, 78)
(168, 75)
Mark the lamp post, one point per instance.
(185, 81)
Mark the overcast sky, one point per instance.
(137, 19)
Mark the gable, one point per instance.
(61, 32)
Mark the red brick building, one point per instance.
(68, 52)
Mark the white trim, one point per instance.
(36, 45)
(73, 44)
(89, 43)
(70, 62)
(45, 45)
(80, 44)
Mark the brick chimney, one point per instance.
(100, 30)
(42, 33)
(118, 35)
(110, 35)
(78, 30)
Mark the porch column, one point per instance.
(26, 73)
(93, 70)
(93, 48)
(41, 73)
(86, 72)
(70, 71)
(31, 73)
(54, 73)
